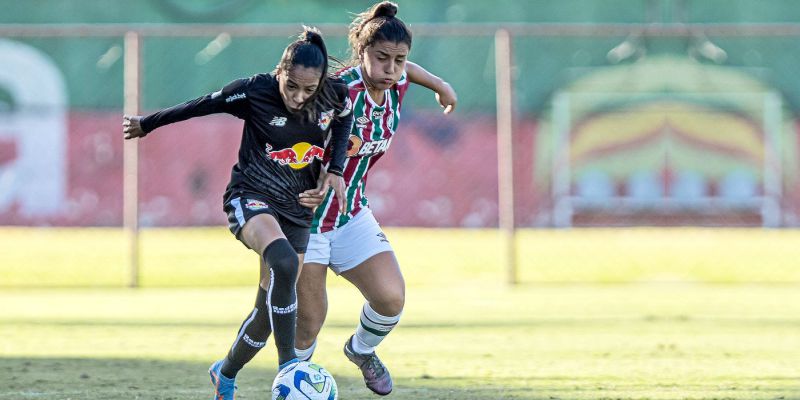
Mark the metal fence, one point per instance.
(63, 96)
(558, 125)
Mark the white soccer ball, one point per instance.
(304, 381)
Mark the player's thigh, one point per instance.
(311, 286)
(261, 230)
(312, 299)
(311, 283)
(252, 220)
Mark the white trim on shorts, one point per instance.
(345, 248)
(237, 205)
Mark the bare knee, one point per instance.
(390, 303)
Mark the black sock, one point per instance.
(252, 336)
(283, 265)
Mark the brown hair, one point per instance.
(376, 24)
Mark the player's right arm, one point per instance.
(445, 94)
(231, 99)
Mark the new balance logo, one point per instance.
(278, 121)
(234, 97)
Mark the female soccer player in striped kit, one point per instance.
(352, 244)
(287, 115)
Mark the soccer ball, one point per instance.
(304, 381)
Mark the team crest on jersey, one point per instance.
(255, 205)
(325, 119)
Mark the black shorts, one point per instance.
(240, 207)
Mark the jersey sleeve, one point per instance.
(231, 99)
(402, 86)
(340, 131)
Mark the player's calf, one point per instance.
(283, 265)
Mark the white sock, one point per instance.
(305, 355)
(372, 330)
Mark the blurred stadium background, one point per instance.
(618, 106)
(664, 133)
(622, 113)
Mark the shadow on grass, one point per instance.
(518, 322)
(107, 379)
(111, 379)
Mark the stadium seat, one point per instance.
(738, 185)
(645, 185)
(688, 185)
(595, 185)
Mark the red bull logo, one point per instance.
(297, 156)
(255, 204)
(312, 153)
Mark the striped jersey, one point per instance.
(373, 127)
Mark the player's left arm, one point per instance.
(312, 198)
(232, 99)
(340, 133)
(445, 94)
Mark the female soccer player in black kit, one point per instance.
(288, 114)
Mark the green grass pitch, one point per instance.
(599, 314)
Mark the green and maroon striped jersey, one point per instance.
(372, 131)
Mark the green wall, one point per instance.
(545, 64)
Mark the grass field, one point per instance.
(600, 314)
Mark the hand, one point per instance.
(337, 183)
(447, 98)
(132, 127)
(311, 198)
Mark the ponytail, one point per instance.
(378, 23)
(309, 51)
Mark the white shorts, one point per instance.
(344, 248)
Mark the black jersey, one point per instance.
(281, 152)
